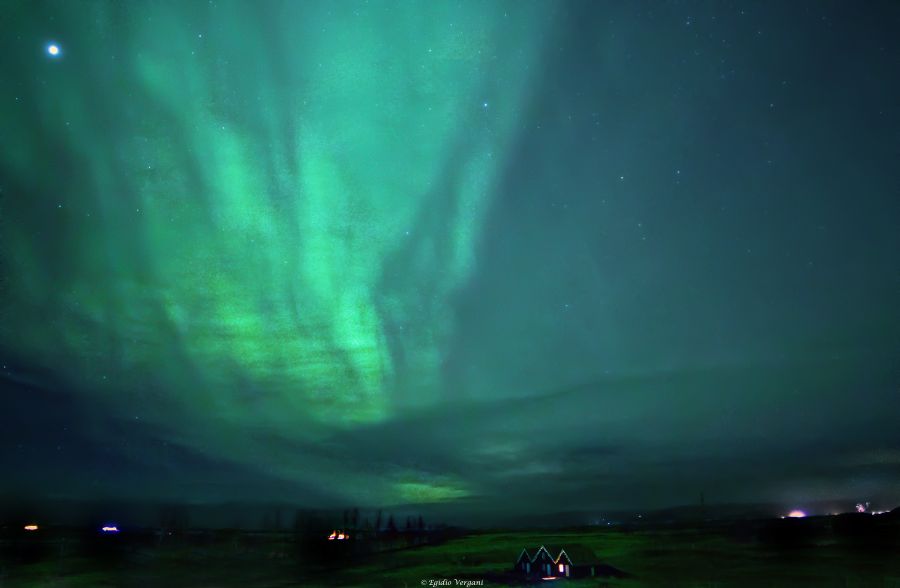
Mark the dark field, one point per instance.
(832, 551)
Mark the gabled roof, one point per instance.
(579, 555)
(576, 553)
(552, 551)
(527, 553)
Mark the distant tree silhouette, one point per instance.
(298, 522)
(391, 526)
(311, 539)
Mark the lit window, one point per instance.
(562, 568)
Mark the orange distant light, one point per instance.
(31, 527)
(796, 514)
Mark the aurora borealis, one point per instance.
(492, 255)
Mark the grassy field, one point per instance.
(677, 558)
(689, 558)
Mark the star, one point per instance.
(53, 50)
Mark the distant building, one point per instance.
(577, 561)
(543, 562)
(548, 561)
(523, 564)
(338, 536)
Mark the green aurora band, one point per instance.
(485, 257)
(260, 208)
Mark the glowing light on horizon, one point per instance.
(31, 527)
(796, 514)
(112, 529)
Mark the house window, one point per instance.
(562, 568)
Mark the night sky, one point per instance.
(503, 257)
